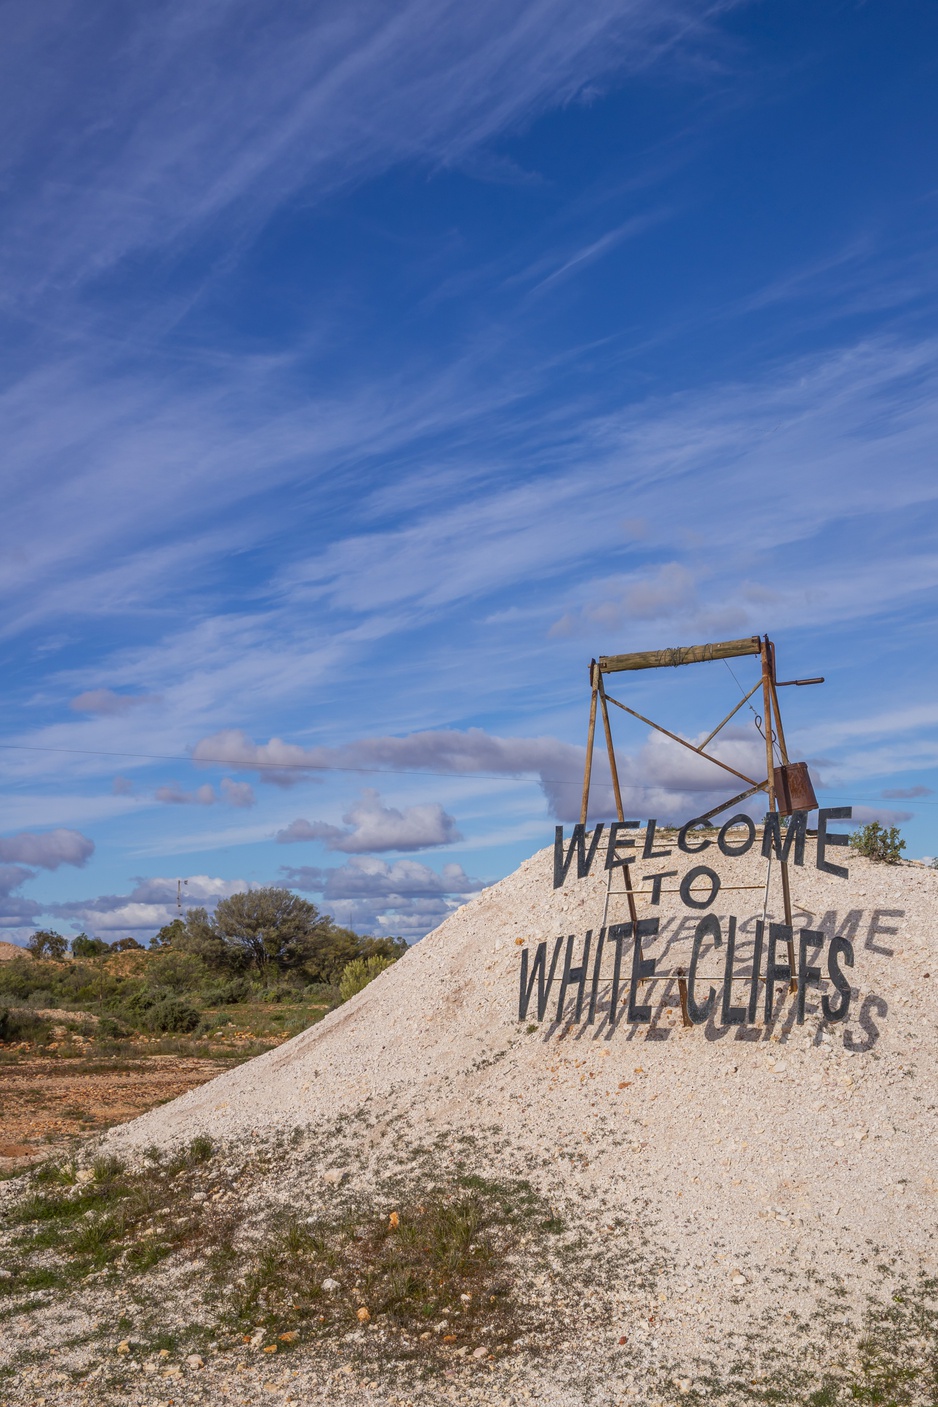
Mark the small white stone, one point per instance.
(330, 1286)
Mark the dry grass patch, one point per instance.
(435, 1269)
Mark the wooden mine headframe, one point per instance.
(787, 785)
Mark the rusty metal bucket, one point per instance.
(793, 788)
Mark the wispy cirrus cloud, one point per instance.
(305, 99)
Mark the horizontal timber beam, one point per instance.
(686, 654)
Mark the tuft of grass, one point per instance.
(891, 1362)
(433, 1270)
(115, 1215)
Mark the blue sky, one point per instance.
(367, 369)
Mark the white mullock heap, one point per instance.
(752, 1146)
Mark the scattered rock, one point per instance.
(195, 1360)
(333, 1176)
(330, 1286)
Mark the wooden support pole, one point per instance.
(767, 721)
(584, 805)
(620, 814)
(778, 717)
(770, 712)
(682, 993)
(613, 769)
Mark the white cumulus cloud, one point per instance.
(47, 849)
(371, 826)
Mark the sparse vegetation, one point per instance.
(399, 1262)
(124, 1005)
(877, 842)
(266, 969)
(888, 1359)
(443, 1253)
(103, 1216)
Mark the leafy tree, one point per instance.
(85, 947)
(877, 843)
(273, 931)
(169, 934)
(359, 973)
(200, 937)
(124, 945)
(270, 927)
(392, 948)
(44, 943)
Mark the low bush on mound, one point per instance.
(877, 843)
(887, 1357)
(89, 1219)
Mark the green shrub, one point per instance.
(21, 1026)
(174, 1014)
(877, 843)
(356, 975)
(111, 1029)
(228, 993)
(177, 971)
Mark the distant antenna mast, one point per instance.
(179, 884)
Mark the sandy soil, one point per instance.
(45, 1101)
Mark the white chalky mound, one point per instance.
(752, 1149)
